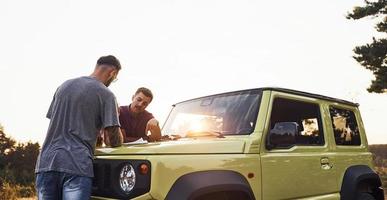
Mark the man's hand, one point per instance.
(99, 139)
(153, 127)
(113, 136)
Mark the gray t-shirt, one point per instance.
(79, 109)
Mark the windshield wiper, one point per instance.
(217, 134)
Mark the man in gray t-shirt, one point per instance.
(81, 107)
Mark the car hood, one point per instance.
(182, 146)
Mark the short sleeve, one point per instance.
(50, 109)
(121, 115)
(149, 117)
(110, 112)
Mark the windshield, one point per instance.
(225, 114)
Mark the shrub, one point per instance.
(26, 191)
(8, 191)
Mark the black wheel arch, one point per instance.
(195, 184)
(358, 176)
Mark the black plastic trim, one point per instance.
(356, 175)
(106, 174)
(285, 90)
(196, 184)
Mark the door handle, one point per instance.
(325, 164)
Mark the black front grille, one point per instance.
(106, 174)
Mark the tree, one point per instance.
(17, 162)
(373, 56)
(6, 145)
(21, 162)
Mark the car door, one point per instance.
(348, 138)
(298, 165)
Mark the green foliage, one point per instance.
(22, 162)
(373, 56)
(17, 164)
(380, 154)
(6, 145)
(380, 159)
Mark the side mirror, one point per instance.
(283, 135)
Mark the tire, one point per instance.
(364, 196)
(234, 195)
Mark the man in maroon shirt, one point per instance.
(136, 121)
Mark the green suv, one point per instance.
(264, 143)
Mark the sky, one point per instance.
(181, 49)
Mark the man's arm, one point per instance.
(153, 127)
(113, 136)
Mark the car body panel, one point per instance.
(298, 172)
(185, 146)
(166, 169)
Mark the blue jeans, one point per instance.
(60, 185)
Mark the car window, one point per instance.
(345, 129)
(227, 114)
(306, 119)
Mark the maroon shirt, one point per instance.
(134, 124)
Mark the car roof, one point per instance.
(285, 90)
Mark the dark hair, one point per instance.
(147, 92)
(109, 60)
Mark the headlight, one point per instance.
(127, 178)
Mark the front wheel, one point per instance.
(227, 195)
